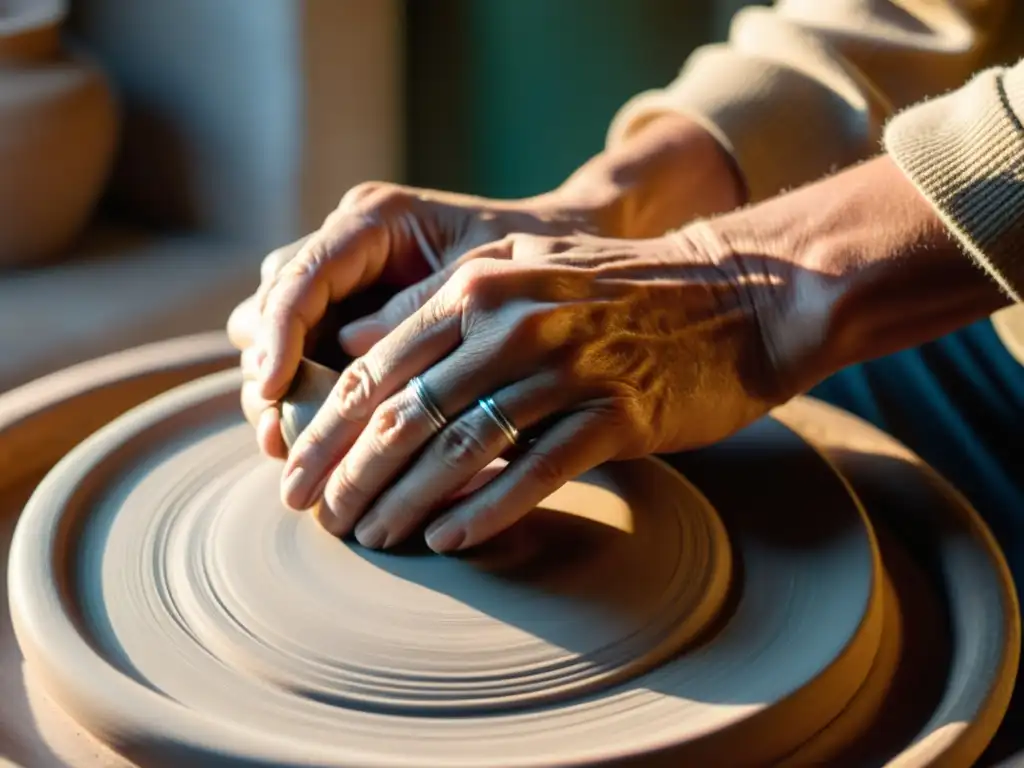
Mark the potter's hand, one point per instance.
(408, 238)
(242, 328)
(619, 348)
(660, 176)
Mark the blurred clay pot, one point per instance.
(58, 131)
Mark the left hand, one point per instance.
(620, 348)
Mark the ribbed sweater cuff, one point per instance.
(965, 153)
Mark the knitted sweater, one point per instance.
(805, 87)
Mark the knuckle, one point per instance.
(295, 279)
(528, 246)
(274, 261)
(391, 424)
(360, 192)
(353, 394)
(279, 310)
(433, 313)
(371, 196)
(460, 447)
(478, 281)
(463, 283)
(307, 263)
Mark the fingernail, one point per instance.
(370, 533)
(445, 536)
(294, 490)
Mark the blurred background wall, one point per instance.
(260, 115)
(243, 122)
(506, 98)
(247, 118)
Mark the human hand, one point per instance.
(618, 348)
(242, 329)
(409, 239)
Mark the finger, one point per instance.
(358, 337)
(574, 445)
(266, 418)
(243, 323)
(245, 318)
(276, 259)
(272, 265)
(416, 345)
(268, 434)
(343, 256)
(448, 463)
(252, 406)
(262, 414)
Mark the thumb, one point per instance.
(359, 336)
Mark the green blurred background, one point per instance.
(507, 97)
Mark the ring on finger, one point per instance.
(488, 406)
(426, 402)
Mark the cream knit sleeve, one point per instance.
(805, 86)
(965, 152)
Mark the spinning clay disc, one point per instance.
(735, 606)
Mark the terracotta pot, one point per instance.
(58, 126)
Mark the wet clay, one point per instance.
(750, 604)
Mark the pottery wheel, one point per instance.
(736, 608)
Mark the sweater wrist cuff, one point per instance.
(965, 153)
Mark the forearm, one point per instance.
(667, 173)
(855, 267)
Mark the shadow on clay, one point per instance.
(543, 552)
(903, 505)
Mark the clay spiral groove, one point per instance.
(827, 656)
(198, 545)
(254, 616)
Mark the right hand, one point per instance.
(412, 239)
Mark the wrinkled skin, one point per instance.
(617, 348)
(412, 239)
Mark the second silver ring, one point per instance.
(426, 402)
(511, 432)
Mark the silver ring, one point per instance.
(488, 406)
(419, 390)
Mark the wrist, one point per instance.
(851, 268)
(666, 173)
